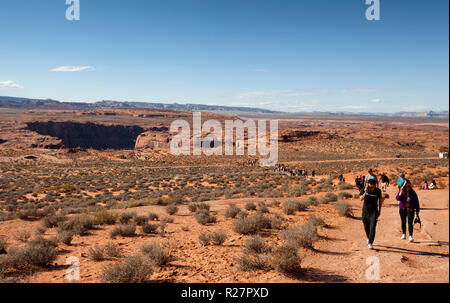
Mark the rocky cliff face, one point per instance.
(154, 138)
(88, 135)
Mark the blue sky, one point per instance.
(304, 55)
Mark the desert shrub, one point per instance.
(345, 186)
(275, 203)
(255, 245)
(96, 253)
(53, 220)
(250, 206)
(231, 211)
(345, 195)
(356, 196)
(245, 226)
(218, 237)
(252, 262)
(153, 217)
(167, 220)
(301, 206)
(297, 190)
(148, 228)
(262, 207)
(125, 218)
(134, 269)
(329, 197)
(140, 220)
(104, 217)
(316, 221)
(65, 236)
(276, 221)
(23, 236)
(289, 207)
(344, 209)
(286, 260)
(157, 254)
(203, 238)
(261, 221)
(203, 207)
(171, 209)
(128, 230)
(203, 217)
(3, 246)
(192, 207)
(39, 254)
(312, 201)
(300, 236)
(111, 250)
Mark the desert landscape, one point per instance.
(101, 185)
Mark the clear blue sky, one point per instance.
(302, 55)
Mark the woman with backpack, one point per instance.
(409, 206)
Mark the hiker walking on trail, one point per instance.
(371, 176)
(384, 182)
(400, 181)
(372, 198)
(409, 206)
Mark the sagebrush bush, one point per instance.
(203, 217)
(218, 237)
(149, 228)
(330, 197)
(300, 236)
(65, 236)
(312, 201)
(128, 230)
(345, 186)
(104, 217)
(286, 260)
(255, 245)
(111, 250)
(153, 217)
(316, 221)
(203, 238)
(250, 206)
(134, 269)
(276, 221)
(232, 211)
(344, 209)
(345, 195)
(125, 218)
(301, 206)
(96, 253)
(252, 262)
(289, 207)
(3, 246)
(157, 254)
(171, 209)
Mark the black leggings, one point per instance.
(406, 213)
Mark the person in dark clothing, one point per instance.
(409, 206)
(384, 182)
(372, 197)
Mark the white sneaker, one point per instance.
(411, 239)
(367, 241)
(403, 237)
(370, 246)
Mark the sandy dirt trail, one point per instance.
(343, 257)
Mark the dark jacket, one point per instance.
(413, 200)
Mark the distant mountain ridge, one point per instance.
(28, 103)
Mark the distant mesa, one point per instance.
(88, 135)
